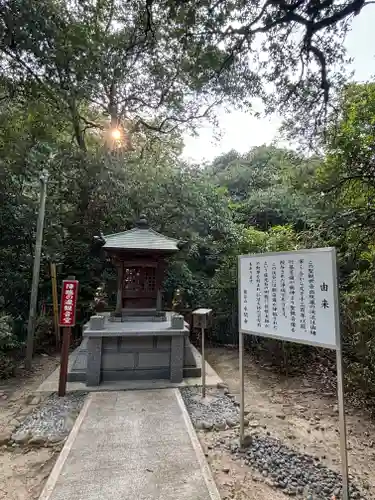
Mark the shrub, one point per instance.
(44, 332)
(358, 332)
(224, 297)
(8, 343)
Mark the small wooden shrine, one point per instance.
(140, 256)
(138, 340)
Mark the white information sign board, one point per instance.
(293, 296)
(290, 296)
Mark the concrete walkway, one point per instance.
(133, 445)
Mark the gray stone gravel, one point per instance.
(295, 473)
(216, 410)
(52, 421)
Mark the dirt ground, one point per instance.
(298, 410)
(23, 470)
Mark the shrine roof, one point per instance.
(141, 237)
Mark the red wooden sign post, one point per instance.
(67, 319)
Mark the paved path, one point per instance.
(133, 445)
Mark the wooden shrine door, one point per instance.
(140, 287)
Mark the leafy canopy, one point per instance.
(163, 64)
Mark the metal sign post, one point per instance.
(202, 319)
(203, 366)
(343, 440)
(293, 296)
(69, 295)
(340, 383)
(242, 388)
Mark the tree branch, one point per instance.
(91, 124)
(324, 84)
(353, 7)
(343, 181)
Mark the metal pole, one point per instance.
(64, 361)
(55, 303)
(343, 442)
(203, 366)
(35, 283)
(340, 385)
(241, 356)
(242, 388)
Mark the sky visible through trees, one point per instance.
(239, 130)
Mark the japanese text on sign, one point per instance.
(290, 296)
(68, 303)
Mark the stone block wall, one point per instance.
(135, 358)
(132, 358)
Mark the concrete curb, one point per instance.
(56, 471)
(206, 471)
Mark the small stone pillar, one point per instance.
(177, 322)
(177, 349)
(97, 322)
(94, 352)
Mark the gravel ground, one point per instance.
(52, 421)
(295, 473)
(217, 409)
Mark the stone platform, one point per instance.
(135, 349)
(51, 383)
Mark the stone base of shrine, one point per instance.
(138, 315)
(134, 351)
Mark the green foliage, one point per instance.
(328, 201)
(117, 64)
(347, 174)
(189, 287)
(268, 186)
(8, 343)
(92, 191)
(162, 65)
(7, 340)
(45, 337)
(259, 169)
(359, 336)
(347, 181)
(277, 205)
(223, 292)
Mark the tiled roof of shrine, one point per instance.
(141, 237)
